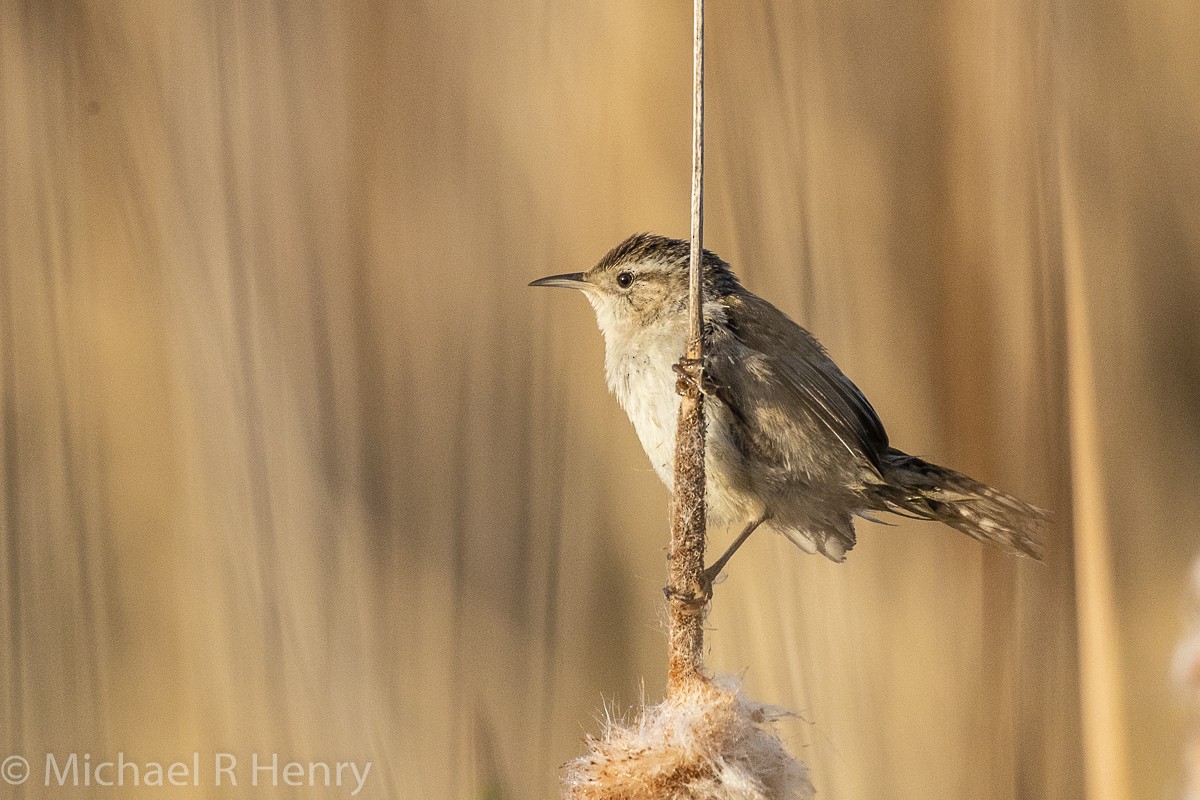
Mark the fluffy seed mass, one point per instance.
(708, 742)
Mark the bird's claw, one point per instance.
(696, 599)
(692, 377)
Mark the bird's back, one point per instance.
(795, 408)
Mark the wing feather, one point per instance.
(790, 403)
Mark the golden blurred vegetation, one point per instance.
(293, 461)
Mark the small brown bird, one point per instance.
(791, 441)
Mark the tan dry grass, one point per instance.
(262, 312)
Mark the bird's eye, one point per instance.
(625, 280)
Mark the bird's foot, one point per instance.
(692, 377)
(697, 598)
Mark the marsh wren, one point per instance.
(791, 441)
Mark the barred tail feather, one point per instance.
(917, 488)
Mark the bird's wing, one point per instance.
(783, 390)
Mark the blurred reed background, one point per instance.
(293, 461)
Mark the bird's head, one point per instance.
(643, 282)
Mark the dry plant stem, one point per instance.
(687, 591)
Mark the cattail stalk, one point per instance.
(685, 587)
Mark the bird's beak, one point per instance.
(569, 280)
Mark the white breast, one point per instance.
(639, 374)
(637, 365)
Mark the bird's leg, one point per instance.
(714, 570)
(692, 376)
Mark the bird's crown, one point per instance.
(654, 253)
